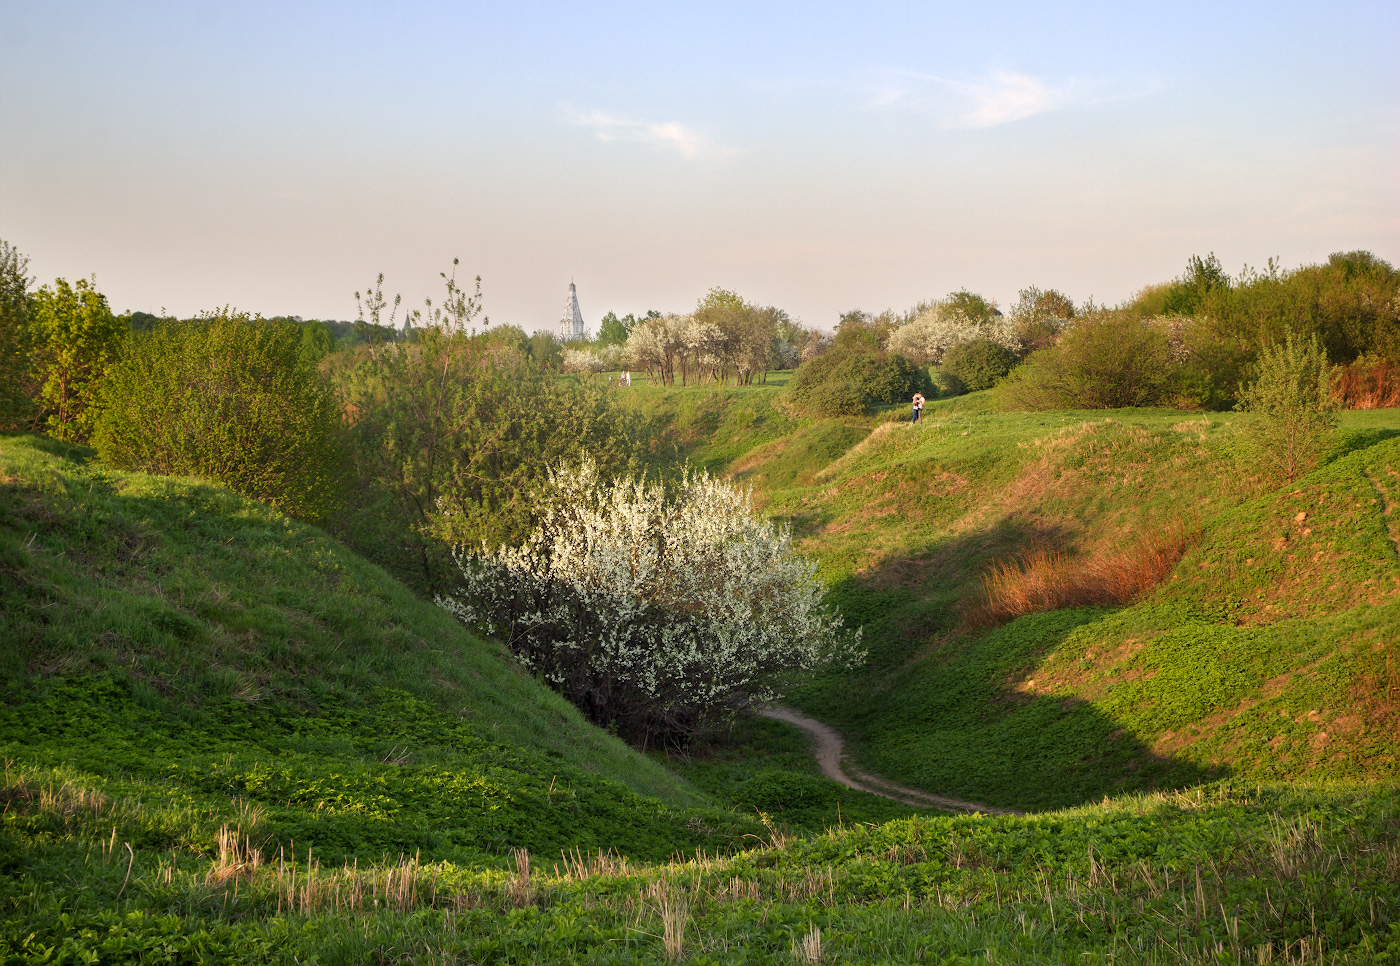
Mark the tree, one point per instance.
(979, 364)
(76, 338)
(659, 610)
(1292, 399)
(230, 398)
(453, 435)
(945, 324)
(1108, 361)
(614, 331)
(1040, 316)
(17, 382)
(657, 346)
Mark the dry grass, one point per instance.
(1367, 384)
(808, 949)
(1043, 579)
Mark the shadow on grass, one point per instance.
(954, 712)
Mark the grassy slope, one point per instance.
(1269, 654)
(186, 661)
(169, 641)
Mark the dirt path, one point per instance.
(829, 756)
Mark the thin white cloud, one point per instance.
(669, 135)
(1001, 97)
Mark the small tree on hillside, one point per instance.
(17, 387)
(75, 339)
(659, 610)
(1291, 395)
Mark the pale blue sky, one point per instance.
(819, 157)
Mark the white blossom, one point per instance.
(940, 327)
(658, 609)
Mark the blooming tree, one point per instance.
(661, 610)
(591, 362)
(940, 327)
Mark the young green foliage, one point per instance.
(1291, 395)
(76, 338)
(16, 336)
(230, 398)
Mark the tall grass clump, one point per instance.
(1291, 397)
(1044, 579)
(230, 398)
(1371, 382)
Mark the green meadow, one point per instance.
(228, 738)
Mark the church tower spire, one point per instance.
(572, 326)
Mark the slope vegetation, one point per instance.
(173, 645)
(1267, 652)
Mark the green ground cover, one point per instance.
(143, 615)
(1261, 656)
(227, 739)
(1222, 874)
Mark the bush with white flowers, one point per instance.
(940, 327)
(658, 609)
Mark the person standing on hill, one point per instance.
(918, 406)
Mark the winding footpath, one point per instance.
(830, 755)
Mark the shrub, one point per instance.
(1371, 382)
(1291, 396)
(659, 610)
(75, 338)
(944, 325)
(979, 364)
(453, 435)
(1108, 361)
(229, 398)
(17, 388)
(1351, 304)
(781, 791)
(848, 383)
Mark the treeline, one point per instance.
(725, 337)
(1195, 342)
(404, 440)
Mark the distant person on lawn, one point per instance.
(918, 406)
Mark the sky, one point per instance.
(819, 157)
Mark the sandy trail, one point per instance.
(829, 756)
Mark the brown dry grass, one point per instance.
(1367, 384)
(1043, 578)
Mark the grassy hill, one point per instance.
(229, 740)
(1267, 653)
(172, 643)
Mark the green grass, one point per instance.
(1260, 657)
(765, 768)
(189, 602)
(228, 739)
(1228, 873)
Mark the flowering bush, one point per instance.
(658, 610)
(591, 362)
(940, 327)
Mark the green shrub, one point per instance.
(16, 378)
(1109, 361)
(979, 364)
(1291, 395)
(75, 339)
(848, 383)
(453, 435)
(781, 791)
(229, 398)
